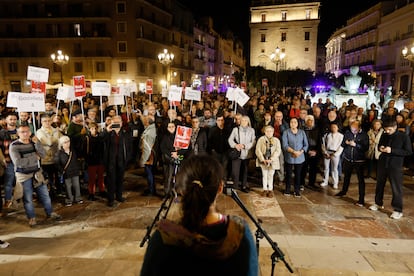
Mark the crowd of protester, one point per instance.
(289, 138)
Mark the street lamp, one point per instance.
(166, 59)
(60, 59)
(409, 55)
(277, 58)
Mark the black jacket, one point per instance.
(357, 153)
(400, 147)
(61, 158)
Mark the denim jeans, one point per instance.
(150, 178)
(9, 181)
(42, 194)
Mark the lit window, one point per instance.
(122, 66)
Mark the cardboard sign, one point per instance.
(80, 86)
(182, 137)
(38, 87)
(101, 88)
(37, 74)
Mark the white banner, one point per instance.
(231, 94)
(174, 94)
(116, 99)
(31, 102)
(241, 97)
(66, 93)
(101, 88)
(191, 94)
(37, 74)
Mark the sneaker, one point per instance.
(286, 194)
(336, 187)
(396, 215)
(68, 204)
(4, 244)
(54, 216)
(32, 222)
(302, 188)
(323, 184)
(297, 195)
(79, 202)
(375, 207)
(359, 204)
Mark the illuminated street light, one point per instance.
(60, 59)
(166, 58)
(277, 58)
(409, 55)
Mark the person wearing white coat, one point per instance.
(268, 150)
(331, 150)
(242, 138)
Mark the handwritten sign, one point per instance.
(174, 94)
(101, 88)
(37, 74)
(191, 94)
(66, 93)
(27, 102)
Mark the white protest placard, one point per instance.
(66, 93)
(191, 94)
(241, 97)
(174, 94)
(12, 99)
(231, 94)
(116, 99)
(37, 74)
(31, 102)
(101, 88)
(133, 87)
(125, 90)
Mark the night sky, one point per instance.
(333, 13)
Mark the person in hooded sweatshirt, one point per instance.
(202, 241)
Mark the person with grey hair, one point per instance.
(242, 138)
(69, 167)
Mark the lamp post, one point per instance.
(277, 58)
(409, 55)
(60, 59)
(166, 58)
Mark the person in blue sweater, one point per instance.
(203, 241)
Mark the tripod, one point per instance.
(169, 198)
(260, 233)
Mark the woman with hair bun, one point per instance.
(203, 240)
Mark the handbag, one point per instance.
(234, 154)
